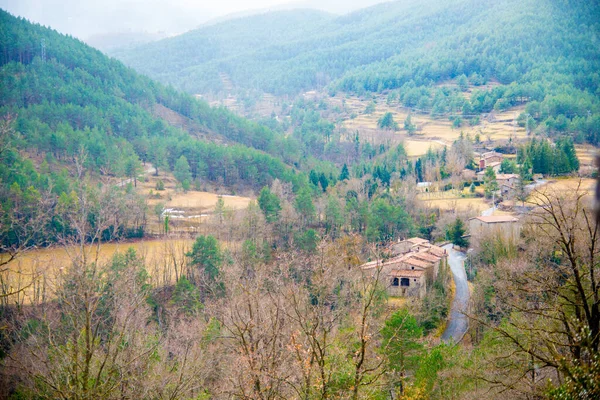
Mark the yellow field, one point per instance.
(416, 148)
(563, 186)
(471, 204)
(159, 256)
(569, 185)
(204, 201)
(450, 200)
(191, 200)
(190, 207)
(498, 126)
(586, 154)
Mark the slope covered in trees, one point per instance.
(541, 52)
(74, 112)
(79, 97)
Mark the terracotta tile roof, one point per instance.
(380, 263)
(407, 273)
(426, 256)
(435, 250)
(494, 219)
(371, 264)
(410, 260)
(417, 240)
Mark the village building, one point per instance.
(407, 245)
(507, 180)
(504, 226)
(494, 166)
(413, 267)
(490, 159)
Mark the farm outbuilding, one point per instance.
(505, 226)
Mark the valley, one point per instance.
(394, 203)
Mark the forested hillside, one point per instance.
(76, 113)
(326, 251)
(540, 52)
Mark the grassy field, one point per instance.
(563, 186)
(499, 126)
(192, 200)
(161, 257)
(204, 201)
(586, 154)
(191, 206)
(436, 132)
(476, 205)
(416, 148)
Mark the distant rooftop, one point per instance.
(417, 240)
(506, 176)
(494, 219)
(490, 154)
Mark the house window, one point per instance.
(404, 282)
(395, 282)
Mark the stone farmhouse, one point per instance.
(507, 183)
(490, 159)
(413, 266)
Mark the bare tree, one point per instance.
(79, 352)
(550, 299)
(254, 324)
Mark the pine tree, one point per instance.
(206, 256)
(182, 171)
(305, 206)
(409, 126)
(270, 204)
(387, 122)
(345, 174)
(457, 231)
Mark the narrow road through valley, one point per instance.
(458, 322)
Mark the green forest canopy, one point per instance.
(540, 51)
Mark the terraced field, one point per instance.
(498, 126)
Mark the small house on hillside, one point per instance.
(507, 184)
(510, 179)
(490, 159)
(430, 268)
(505, 226)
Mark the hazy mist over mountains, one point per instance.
(116, 23)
